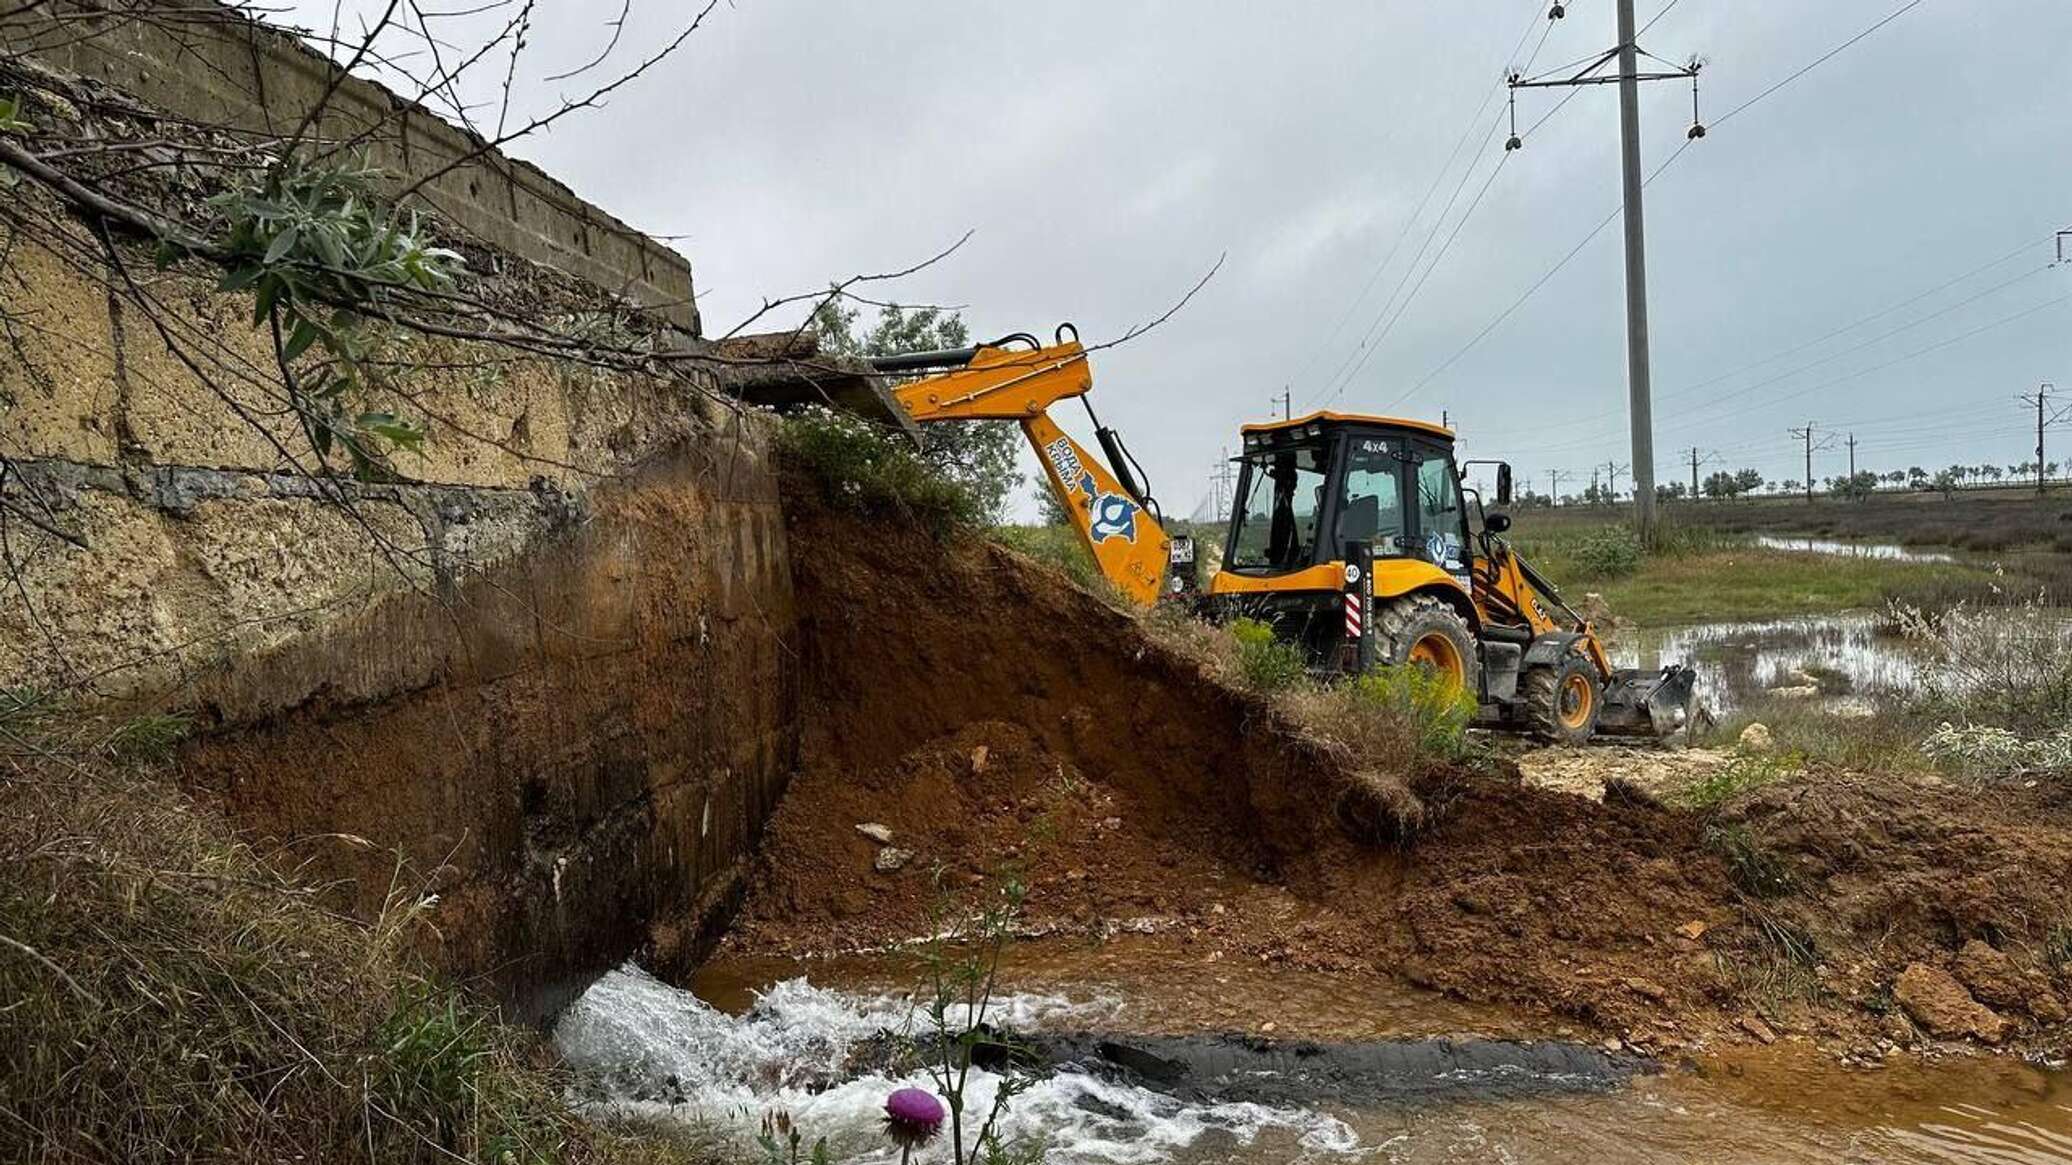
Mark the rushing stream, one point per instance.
(645, 1048)
(755, 1037)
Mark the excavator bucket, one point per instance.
(1638, 702)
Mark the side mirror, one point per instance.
(1503, 486)
(1496, 522)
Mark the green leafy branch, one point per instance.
(325, 261)
(12, 122)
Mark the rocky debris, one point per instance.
(1794, 691)
(891, 859)
(1997, 981)
(979, 757)
(882, 834)
(1596, 612)
(1754, 1026)
(1693, 930)
(1755, 738)
(1645, 774)
(1935, 999)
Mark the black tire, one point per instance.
(1400, 625)
(1552, 695)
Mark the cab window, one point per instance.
(1283, 491)
(1441, 519)
(1373, 507)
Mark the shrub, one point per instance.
(1751, 866)
(1609, 552)
(1436, 713)
(2004, 664)
(1737, 776)
(864, 467)
(1990, 751)
(1264, 662)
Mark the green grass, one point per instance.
(1887, 742)
(1057, 546)
(1761, 584)
(1698, 574)
(1738, 776)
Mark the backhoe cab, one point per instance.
(1351, 536)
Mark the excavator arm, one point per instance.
(1017, 379)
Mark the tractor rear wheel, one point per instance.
(1426, 631)
(1562, 699)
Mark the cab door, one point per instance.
(1438, 518)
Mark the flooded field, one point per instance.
(1840, 661)
(728, 1058)
(1888, 551)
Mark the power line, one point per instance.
(1439, 176)
(1687, 422)
(1818, 61)
(1687, 389)
(1874, 340)
(1372, 340)
(1607, 220)
(1537, 284)
(1657, 16)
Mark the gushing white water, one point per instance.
(646, 1049)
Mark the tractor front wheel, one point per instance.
(1562, 699)
(1425, 631)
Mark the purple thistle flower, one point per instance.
(912, 1117)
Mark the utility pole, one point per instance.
(1554, 477)
(1640, 408)
(2041, 399)
(1220, 483)
(1694, 473)
(1612, 470)
(1637, 384)
(1287, 404)
(1807, 434)
(1852, 459)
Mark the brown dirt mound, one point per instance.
(991, 715)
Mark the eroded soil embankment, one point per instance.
(990, 715)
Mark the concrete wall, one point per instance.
(549, 674)
(216, 66)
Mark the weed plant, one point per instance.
(867, 469)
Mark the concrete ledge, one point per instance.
(222, 67)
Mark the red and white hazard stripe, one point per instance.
(1354, 615)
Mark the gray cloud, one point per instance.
(1106, 154)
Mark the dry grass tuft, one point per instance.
(172, 996)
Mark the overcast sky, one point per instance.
(1105, 154)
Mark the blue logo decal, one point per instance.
(1108, 515)
(1113, 516)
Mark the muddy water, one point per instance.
(1840, 662)
(754, 1036)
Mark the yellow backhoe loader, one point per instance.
(1350, 536)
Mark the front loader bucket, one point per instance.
(1638, 702)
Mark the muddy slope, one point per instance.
(992, 716)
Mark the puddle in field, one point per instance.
(1883, 550)
(642, 1047)
(1841, 662)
